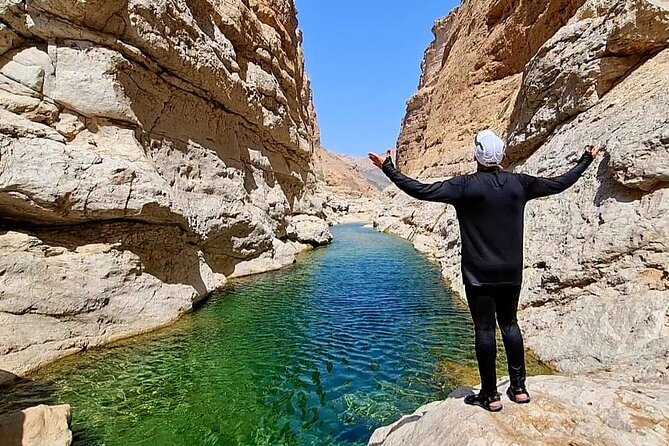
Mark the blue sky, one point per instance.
(364, 58)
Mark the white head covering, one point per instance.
(489, 148)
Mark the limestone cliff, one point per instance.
(554, 79)
(471, 75)
(149, 149)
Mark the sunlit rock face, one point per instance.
(148, 150)
(553, 78)
(563, 410)
(471, 75)
(348, 177)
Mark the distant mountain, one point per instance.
(369, 171)
(348, 175)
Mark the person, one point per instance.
(490, 207)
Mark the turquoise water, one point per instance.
(322, 353)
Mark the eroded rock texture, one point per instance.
(555, 77)
(471, 75)
(348, 177)
(563, 411)
(148, 150)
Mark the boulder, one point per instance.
(308, 229)
(37, 426)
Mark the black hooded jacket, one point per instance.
(491, 213)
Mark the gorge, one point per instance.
(275, 359)
(155, 151)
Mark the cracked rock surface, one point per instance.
(148, 151)
(563, 411)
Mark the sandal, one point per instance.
(484, 401)
(512, 392)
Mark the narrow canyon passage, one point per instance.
(156, 154)
(350, 338)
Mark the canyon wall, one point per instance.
(553, 77)
(149, 149)
(472, 72)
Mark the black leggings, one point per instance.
(484, 303)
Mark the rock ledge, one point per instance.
(564, 410)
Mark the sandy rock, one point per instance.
(95, 91)
(471, 75)
(21, 100)
(37, 426)
(282, 255)
(88, 180)
(578, 66)
(344, 209)
(308, 229)
(29, 75)
(8, 39)
(563, 411)
(347, 176)
(85, 296)
(69, 125)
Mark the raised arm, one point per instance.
(538, 187)
(441, 191)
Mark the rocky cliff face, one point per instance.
(554, 79)
(471, 76)
(148, 150)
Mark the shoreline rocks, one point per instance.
(563, 410)
(37, 426)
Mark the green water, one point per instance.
(322, 353)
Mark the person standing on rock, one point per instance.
(490, 206)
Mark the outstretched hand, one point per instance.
(594, 151)
(377, 160)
